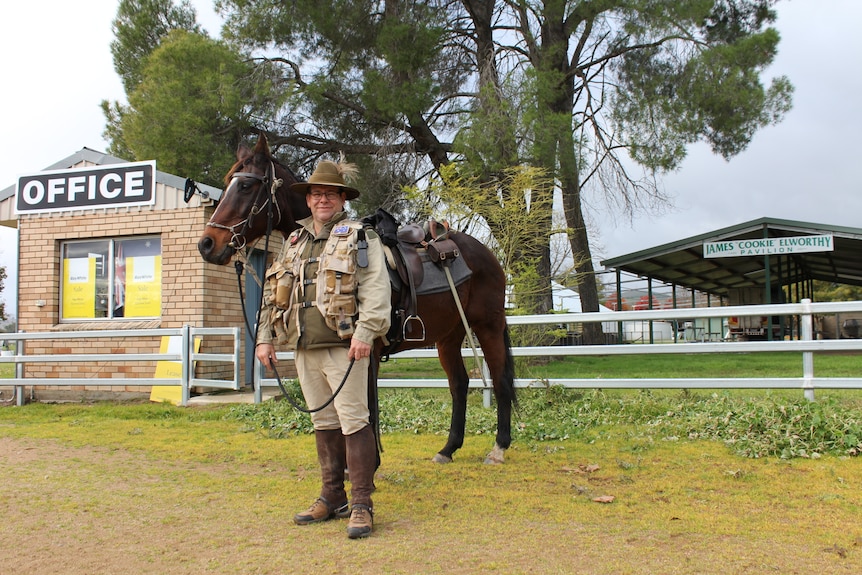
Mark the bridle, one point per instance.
(268, 179)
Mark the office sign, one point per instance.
(768, 246)
(87, 188)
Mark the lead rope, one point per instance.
(315, 409)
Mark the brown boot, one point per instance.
(321, 510)
(362, 461)
(361, 522)
(332, 456)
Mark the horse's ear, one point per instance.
(262, 145)
(242, 152)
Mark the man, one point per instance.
(328, 297)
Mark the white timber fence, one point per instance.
(806, 345)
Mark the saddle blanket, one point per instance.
(435, 280)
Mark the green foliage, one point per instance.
(114, 113)
(715, 95)
(191, 117)
(774, 425)
(786, 429)
(489, 127)
(404, 86)
(139, 27)
(825, 291)
(514, 203)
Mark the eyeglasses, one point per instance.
(330, 196)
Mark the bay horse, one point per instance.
(242, 217)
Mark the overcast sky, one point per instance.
(56, 69)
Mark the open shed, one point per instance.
(765, 260)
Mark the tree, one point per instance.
(192, 118)
(828, 291)
(139, 28)
(602, 96)
(641, 80)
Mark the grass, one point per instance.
(754, 423)
(698, 482)
(141, 487)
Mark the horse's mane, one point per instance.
(266, 157)
(231, 171)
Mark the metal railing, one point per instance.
(806, 345)
(186, 357)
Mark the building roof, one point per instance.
(682, 262)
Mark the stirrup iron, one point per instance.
(413, 318)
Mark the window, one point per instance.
(112, 278)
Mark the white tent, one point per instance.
(568, 300)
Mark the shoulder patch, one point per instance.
(342, 230)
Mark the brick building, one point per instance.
(108, 245)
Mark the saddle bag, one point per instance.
(441, 250)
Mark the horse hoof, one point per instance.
(440, 458)
(496, 457)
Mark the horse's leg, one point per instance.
(498, 356)
(449, 351)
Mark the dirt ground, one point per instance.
(87, 510)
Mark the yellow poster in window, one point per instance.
(79, 288)
(144, 286)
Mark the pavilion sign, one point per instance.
(93, 187)
(768, 246)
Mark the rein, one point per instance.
(238, 243)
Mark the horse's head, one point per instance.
(253, 201)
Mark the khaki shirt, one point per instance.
(305, 324)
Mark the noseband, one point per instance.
(237, 240)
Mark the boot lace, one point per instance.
(359, 515)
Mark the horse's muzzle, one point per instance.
(208, 249)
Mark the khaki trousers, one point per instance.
(320, 373)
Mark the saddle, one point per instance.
(415, 256)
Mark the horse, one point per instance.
(254, 203)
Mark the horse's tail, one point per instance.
(507, 385)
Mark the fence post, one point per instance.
(486, 391)
(256, 380)
(19, 373)
(237, 350)
(807, 329)
(186, 368)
